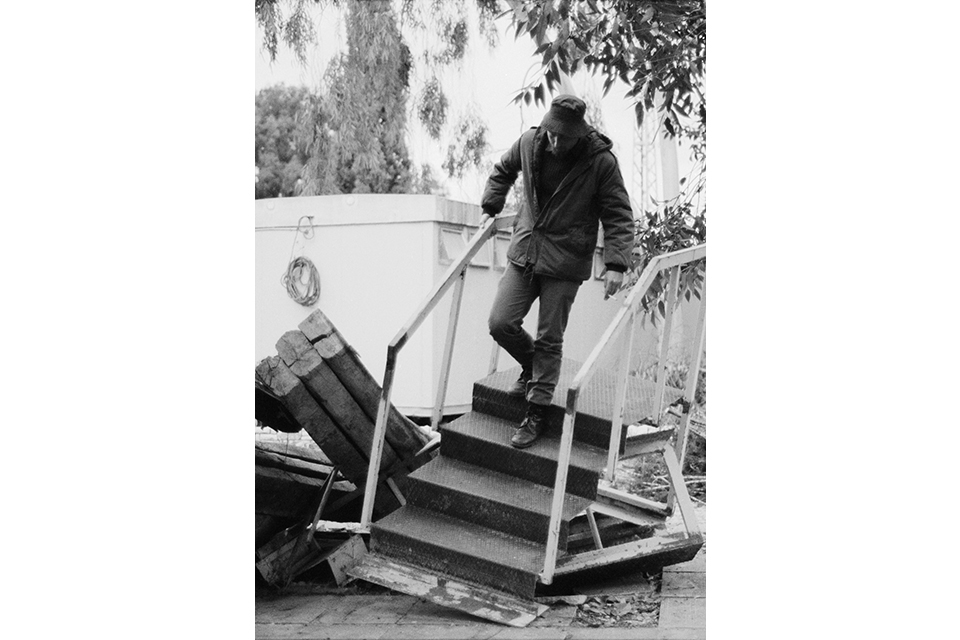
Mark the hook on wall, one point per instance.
(306, 230)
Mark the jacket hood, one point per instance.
(597, 142)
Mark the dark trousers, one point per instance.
(541, 357)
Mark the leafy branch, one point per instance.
(656, 48)
(674, 226)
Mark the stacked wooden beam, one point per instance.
(321, 386)
(288, 481)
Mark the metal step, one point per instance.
(459, 549)
(480, 601)
(489, 498)
(650, 554)
(594, 406)
(484, 440)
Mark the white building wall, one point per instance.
(378, 257)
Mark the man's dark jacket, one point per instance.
(558, 237)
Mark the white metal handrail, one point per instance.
(454, 277)
(625, 318)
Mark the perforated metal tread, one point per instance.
(484, 440)
(594, 405)
(461, 549)
(494, 499)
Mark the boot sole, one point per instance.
(524, 445)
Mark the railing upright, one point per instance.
(454, 320)
(613, 454)
(694, 371)
(673, 285)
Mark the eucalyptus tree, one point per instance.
(360, 124)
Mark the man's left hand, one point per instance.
(612, 281)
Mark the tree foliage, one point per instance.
(362, 148)
(654, 47)
(469, 146)
(432, 107)
(360, 145)
(294, 28)
(673, 226)
(283, 138)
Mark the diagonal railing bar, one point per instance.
(620, 322)
(454, 276)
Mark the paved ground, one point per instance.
(307, 613)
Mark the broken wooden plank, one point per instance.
(284, 494)
(295, 465)
(482, 602)
(304, 361)
(403, 435)
(608, 494)
(288, 553)
(276, 376)
(659, 551)
(308, 452)
(345, 557)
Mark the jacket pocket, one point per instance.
(575, 241)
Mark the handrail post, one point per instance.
(494, 359)
(452, 323)
(694, 370)
(379, 433)
(559, 487)
(665, 335)
(613, 454)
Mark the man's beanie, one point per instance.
(566, 117)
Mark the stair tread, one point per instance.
(477, 599)
(464, 537)
(495, 486)
(596, 398)
(497, 431)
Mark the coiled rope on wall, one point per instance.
(305, 291)
(302, 280)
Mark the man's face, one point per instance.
(560, 145)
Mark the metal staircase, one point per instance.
(478, 514)
(484, 525)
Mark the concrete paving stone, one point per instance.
(424, 612)
(271, 631)
(558, 615)
(346, 632)
(684, 584)
(531, 633)
(367, 610)
(682, 634)
(683, 612)
(441, 632)
(293, 608)
(699, 563)
(612, 633)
